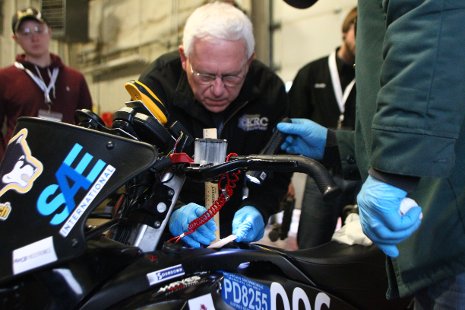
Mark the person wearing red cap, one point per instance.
(38, 83)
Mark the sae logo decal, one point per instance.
(79, 172)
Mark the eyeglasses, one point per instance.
(29, 31)
(229, 80)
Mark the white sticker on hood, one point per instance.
(34, 255)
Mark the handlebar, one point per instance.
(262, 162)
(277, 163)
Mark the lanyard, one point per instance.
(40, 81)
(341, 98)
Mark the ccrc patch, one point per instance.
(251, 122)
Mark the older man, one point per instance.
(213, 81)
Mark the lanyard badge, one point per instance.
(40, 81)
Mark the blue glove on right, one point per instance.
(248, 224)
(180, 220)
(305, 137)
(381, 216)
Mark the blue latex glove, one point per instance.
(248, 224)
(305, 137)
(381, 217)
(180, 220)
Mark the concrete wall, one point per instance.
(125, 36)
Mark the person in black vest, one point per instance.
(324, 91)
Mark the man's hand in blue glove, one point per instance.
(180, 220)
(248, 224)
(381, 216)
(305, 137)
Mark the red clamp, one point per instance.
(177, 158)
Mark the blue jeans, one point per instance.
(447, 294)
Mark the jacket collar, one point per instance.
(55, 61)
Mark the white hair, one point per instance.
(221, 21)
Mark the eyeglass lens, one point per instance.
(29, 31)
(208, 78)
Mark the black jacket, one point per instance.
(312, 95)
(248, 124)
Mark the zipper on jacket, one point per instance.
(220, 130)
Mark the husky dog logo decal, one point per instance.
(19, 169)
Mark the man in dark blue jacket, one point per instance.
(213, 81)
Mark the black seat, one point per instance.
(353, 272)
